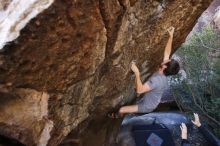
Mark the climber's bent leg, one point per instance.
(128, 109)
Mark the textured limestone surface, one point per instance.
(77, 52)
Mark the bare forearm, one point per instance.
(168, 49)
(140, 88)
(138, 81)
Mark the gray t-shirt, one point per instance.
(158, 83)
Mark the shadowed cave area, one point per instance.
(5, 141)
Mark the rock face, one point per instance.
(73, 60)
(24, 116)
(216, 17)
(15, 14)
(210, 16)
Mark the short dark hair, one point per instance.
(173, 68)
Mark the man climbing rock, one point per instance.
(155, 86)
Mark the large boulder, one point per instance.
(73, 60)
(217, 18)
(210, 17)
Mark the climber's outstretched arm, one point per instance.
(140, 87)
(168, 48)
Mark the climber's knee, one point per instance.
(128, 109)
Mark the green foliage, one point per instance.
(200, 91)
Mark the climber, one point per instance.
(207, 134)
(155, 86)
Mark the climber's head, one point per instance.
(171, 68)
